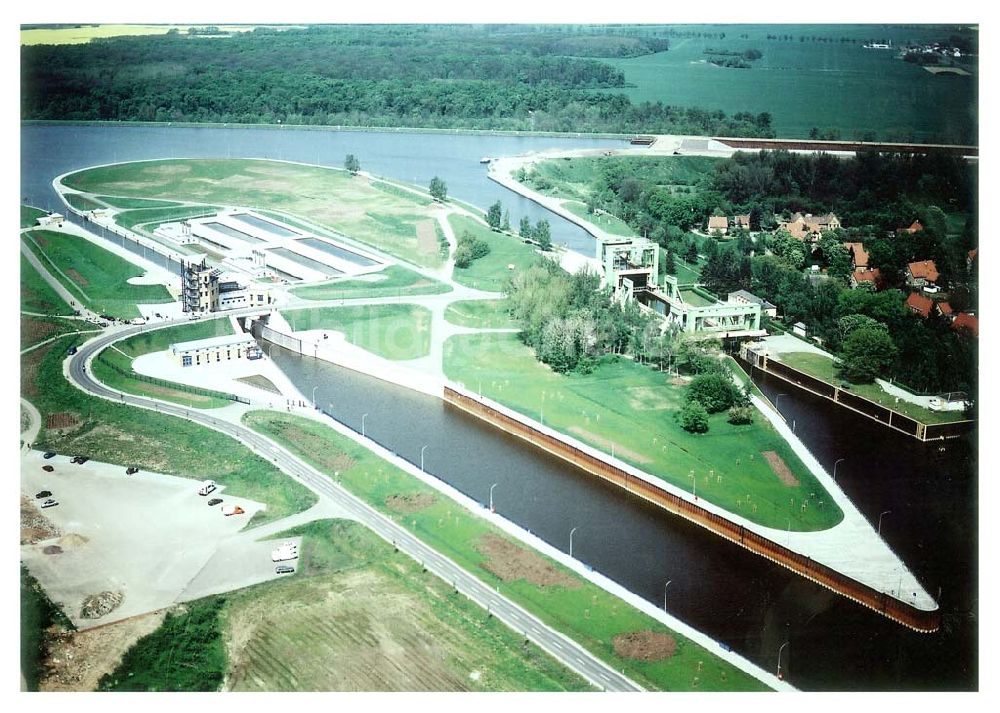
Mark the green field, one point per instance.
(37, 295)
(825, 368)
(35, 330)
(827, 85)
(120, 355)
(394, 280)
(575, 177)
(30, 214)
(630, 408)
(130, 203)
(574, 606)
(124, 435)
(151, 218)
(98, 277)
(389, 221)
(491, 271)
(38, 616)
(604, 221)
(392, 331)
(81, 202)
(686, 274)
(481, 314)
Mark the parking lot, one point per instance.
(149, 537)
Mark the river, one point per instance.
(736, 597)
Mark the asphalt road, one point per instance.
(560, 647)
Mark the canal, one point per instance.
(737, 598)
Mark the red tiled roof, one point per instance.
(973, 253)
(919, 304)
(859, 253)
(945, 309)
(873, 276)
(966, 321)
(925, 269)
(742, 221)
(717, 222)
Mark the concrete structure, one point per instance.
(744, 297)
(208, 289)
(215, 349)
(52, 220)
(629, 264)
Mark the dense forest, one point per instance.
(511, 78)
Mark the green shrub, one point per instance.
(693, 417)
(715, 391)
(740, 415)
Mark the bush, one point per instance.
(714, 391)
(470, 248)
(693, 417)
(740, 415)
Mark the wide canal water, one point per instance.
(736, 597)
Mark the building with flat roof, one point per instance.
(215, 350)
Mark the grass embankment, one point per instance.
(37, 295)
(491, 271)
(74, 422)
(392, 331)
(576, 177)
(35, 330)
(481, 314)
(825, 368)
(604, 221)
(38, 615)
(393, 281)
(631, 408)
(122, 353)
(148, 219)
(401, 225)
(82, 202)
(562, 599)
(686, 273)
(356, 616)
(130, 203)
(30, 214)
(98, 277)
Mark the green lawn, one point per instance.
(581, 610)
(151, 218)
(129, 203)
(825, 368)
(37, 295)
(394, 280)
(120, 355)
(632, 407)
(392, 331)
(125, 435)
(387, 220)
(38, 616)
(81, 202)
(491, 271)
(30, 214)
(687, 274)
(97, 276)
(604, 221)
(482, 314)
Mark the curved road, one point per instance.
(562, 648)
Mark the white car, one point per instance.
(50, 503)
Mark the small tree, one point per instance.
(505, 223)
(715, 391)
(670, 263)
(691, 254)
(494, 215)
(542, 234)
(868, 353)
(525, 228)
(438, 189)
(352, 164)
(693, 417)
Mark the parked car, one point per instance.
(71, 351)
(50, 503)
(48, 455)
(43, 494)
(284, 569)
(48, 468)
(131, 470)
(214, 501)
(80, 460)
(206, 487)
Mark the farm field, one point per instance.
(85, 33)
(37, 295)
(825, 368)
(394, 280)
(98, 276)
(538, 584)
(829, 85)
(396, 332)
(629, 409)
(482, 314)
(491, 271)
(397, 223)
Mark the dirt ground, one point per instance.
(410, 503)
(780, 468)
(36, 330)
(606, 444)
(35, 527)
(509, 561)
(645, 646)
(63, 419)
(77, 277)
(78, 659)
(427, 241)
(29, 369)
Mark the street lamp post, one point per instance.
(363, 417)
(887, 512)
(422, 449)
(835, 469)
(314, 395)
(571, 541)
(776, 402)
(780, 649)
(491, 496)
(665, 595)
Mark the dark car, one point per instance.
(49, 503)
(48, 468)
(80, 459)
(284, 569)
(131, 470)
(71, 351)
(48, 455)
(214, 501)
(44, 494)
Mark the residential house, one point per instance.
(809, 226)
(741, 222)
(915, 227)
(718, 222)
(871, 279)
(859, 256)
(799, 329)
(922, 273)
(919, 304)
(944, 309)
(966, 322)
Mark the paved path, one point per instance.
(563, 649)
(30, 435)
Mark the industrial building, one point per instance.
(215, 350)
(208, 289)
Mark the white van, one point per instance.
(207, 487)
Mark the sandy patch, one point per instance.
(35, 527)
(427, 242)
(606, 444)
(410, 503)
(780, 468)
(509, 561)
(647, 398)
(645, 646)
(947, 70)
